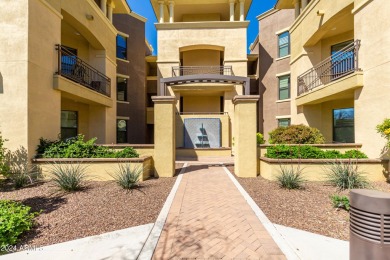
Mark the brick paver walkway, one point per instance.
(209, 218)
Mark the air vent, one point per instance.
(369, 225)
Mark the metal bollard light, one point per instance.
(369, 225)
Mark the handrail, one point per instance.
(72, 67)
(344, 62)
(197, 70)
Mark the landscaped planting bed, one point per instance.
(100, 207)
(308, 209)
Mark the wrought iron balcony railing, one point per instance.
(77, 70)
(198, 70)
(338, 65)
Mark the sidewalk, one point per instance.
(209, 218)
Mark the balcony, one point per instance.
(333, 68)
(80, 72)
(202, 70)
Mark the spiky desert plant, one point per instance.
(290, 177)
(346, 175)
(68, 176)
(127, 176)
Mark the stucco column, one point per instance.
(164, 135)
(297, 8)
(245, 158)
(242, 17)
(171, 11)
(161, 3)
(231, 2)
(110, 11)
(103, 6)
(304, 4)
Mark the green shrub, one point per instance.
(296, 134)
(127, 152)
(340, 202)
(260, 138)
(15, 218)
(78, 148)
(4, 168)
(127, 176)
(346, 176)
(309, 152)
(68, 177)
(290, 178)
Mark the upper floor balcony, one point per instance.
(338, 73)
(202, 70)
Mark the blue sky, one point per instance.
(144, 8)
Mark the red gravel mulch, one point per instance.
(101, 207)
(308, 209)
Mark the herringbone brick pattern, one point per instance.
(210, 219)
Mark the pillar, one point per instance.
(231, 10)
(161, 3)
(164, 135)
(103, 6)
(245, 158)
(304, 4)
(110, 11)
(171, 11)
(297, 8)
(242, 11)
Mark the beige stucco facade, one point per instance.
(32, 94)
(323, 24)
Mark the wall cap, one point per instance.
(316, 145)
(128, 145)
(164, 99)
(245, 99)
(320, 161)
(91, 160)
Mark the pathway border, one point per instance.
(154, 235)
(269, 226)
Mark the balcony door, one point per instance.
(343, 59)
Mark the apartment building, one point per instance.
(338, 69)
(202, 61)
(273, 49)
(58, 70)
(131, 89)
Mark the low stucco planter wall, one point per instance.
(99, 169)
(142, 149)
(315, 169)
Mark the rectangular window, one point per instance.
(343, 61)
(69, 124)
(344, 125)
(284, 44)
(121, 89)
(121, 47)
(284, 87)
(68, 60)
(121, 131)
(284, 122)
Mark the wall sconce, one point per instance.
(89, 17)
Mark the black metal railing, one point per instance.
(338, 65)
(198, 70)
(77, 70)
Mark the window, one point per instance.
(284, 44)
(284, 87)
(344, 125)
(121, 89)
(121, 47)
(69, 124)
(284, 122)
(121, 135)
(68, 60)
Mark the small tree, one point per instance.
(296, 134)
(384, 130)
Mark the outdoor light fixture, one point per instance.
(89, 17)
(320, 12)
